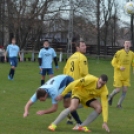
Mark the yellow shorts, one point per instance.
(82, 95)
(121, 83)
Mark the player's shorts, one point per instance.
(82, 95)
(47, 71)
(67, 96)
(13, 61)
(121, 83)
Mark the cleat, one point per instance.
(76, 127)
(110, 101)
(119, 106)
(9, 77)
(84, 129)
(70, 122)
(52, 127)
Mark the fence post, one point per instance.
(22, 54)
(60, 57)
(32, 59)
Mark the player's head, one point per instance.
(102, 81)
(46, 44)
(41, 94)
(127, 45)
(80, 45)
(13, 40)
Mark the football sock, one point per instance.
(113, 93)
(123, 95)
(42, 82)
(11, 73)
(76, 117)
(62, 115)
(90, 118)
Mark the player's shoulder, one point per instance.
(9, 45)
(131, 52)
(51, 49)
(91, 77)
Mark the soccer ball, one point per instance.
(129, 7)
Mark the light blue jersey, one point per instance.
(47, 56)
(12, 50)
(54, 87)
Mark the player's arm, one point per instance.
(27, 107)
(133, 63)
(49, 110)
(55, 59)
(56, 62)
(40, 59)
(83, 65)
(104, 101)
(5, 55)
(115, 62)
(75, 84)
(32, 100)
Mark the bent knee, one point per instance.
(98, 109)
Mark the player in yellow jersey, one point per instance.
(122, 61)
(77, 65)
(85, 91)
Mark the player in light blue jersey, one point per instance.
(46, 57)
(53, 88)
(13, 51)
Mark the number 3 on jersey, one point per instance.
(72, 66)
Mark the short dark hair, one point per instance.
(104, 77)
(40, 93)
(45, 41)
(76, 41)
(13, 38)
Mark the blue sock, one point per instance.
(76, 117)
(42, 82)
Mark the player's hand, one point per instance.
(25, 114)
(40, 112)
(58, 98)
(122, 68)
(105, 126)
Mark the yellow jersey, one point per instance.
(124, 59)
(86, 89)
(76, 66)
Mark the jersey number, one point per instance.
(72, 66)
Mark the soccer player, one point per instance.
(122, 61)
(13, 51)
(77, 65)
(85, 91)
(46, 57)
(53, 87)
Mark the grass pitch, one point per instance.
(14, 95)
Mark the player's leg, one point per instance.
(43, 74)
(73, 106)
(95, 104)
(122, 97)
(118, 85)
(66, 103)
(50, 73)
(74, 114)
(15, 65)
(11, 72)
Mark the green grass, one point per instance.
(15, 94)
